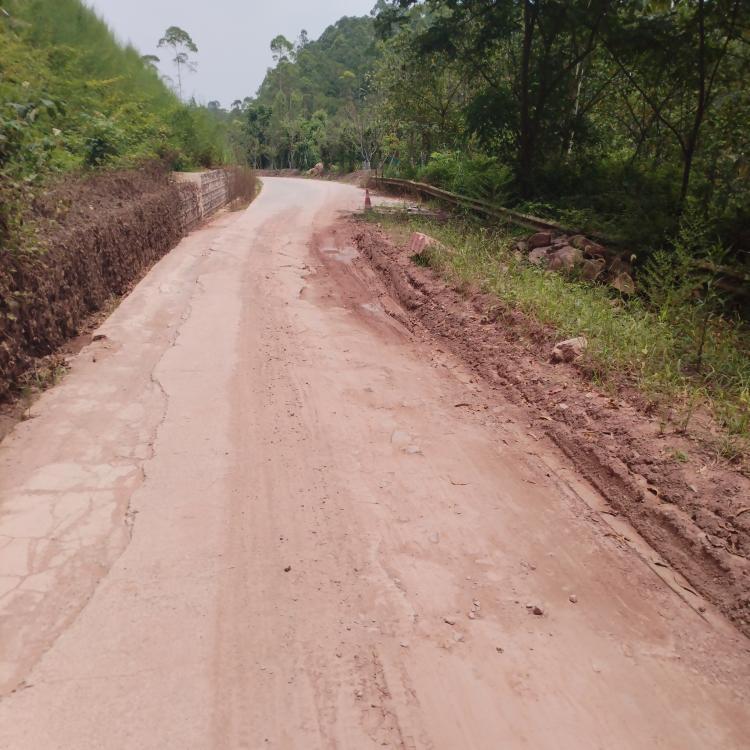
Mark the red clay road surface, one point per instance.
(253, 516)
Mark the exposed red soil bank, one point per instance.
(695, 514)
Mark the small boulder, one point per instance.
(419, 242)
(585, 245)
(592, 268)
(565, 258)
(624, 283)
(579, 241)
(538, 256)
(569, 350)
(620, 265)
(540, 239)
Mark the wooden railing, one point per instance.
(477, 205)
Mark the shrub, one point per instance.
(102, 143)
(477, 176)
(612, 196)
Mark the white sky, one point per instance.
(232, 35)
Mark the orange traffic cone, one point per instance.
(368, 202)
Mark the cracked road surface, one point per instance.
(261, 513)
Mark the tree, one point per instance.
(673, 56)
(257, 126)
(367, 129)
(151, 60)
(424, 94)
(281, 49)
(523, 55)
(182, 45)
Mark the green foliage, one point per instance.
(182, 45)
(478, 176)
(313, 106)
(682, 287)
(177, 38)
(424, 97)
(104, 103)
(71, 98)
(619, 115)
(102, 143)
(612, 196)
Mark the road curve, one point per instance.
(260, 513)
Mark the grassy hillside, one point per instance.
(71, 97)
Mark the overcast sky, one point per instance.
(232, 35)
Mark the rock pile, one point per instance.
(592, 261)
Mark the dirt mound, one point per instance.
(95, 237)
(695, 513)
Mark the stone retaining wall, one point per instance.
(98, 236)
(202, 194)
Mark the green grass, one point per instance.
(653, 350)
(73, 99)
(72, 96)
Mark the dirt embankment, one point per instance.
(695, 513)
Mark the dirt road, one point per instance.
(259, 513)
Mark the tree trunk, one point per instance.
(526, 136)
(179, 79)
(691, 142)
(576, 107)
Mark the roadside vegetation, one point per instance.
(310, 107)
(614, 116)
(72, 99)
(89, 132)
(686, 361)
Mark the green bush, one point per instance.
(102, 143)
(477, 176)
(612, 196)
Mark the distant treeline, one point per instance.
(619, 115)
